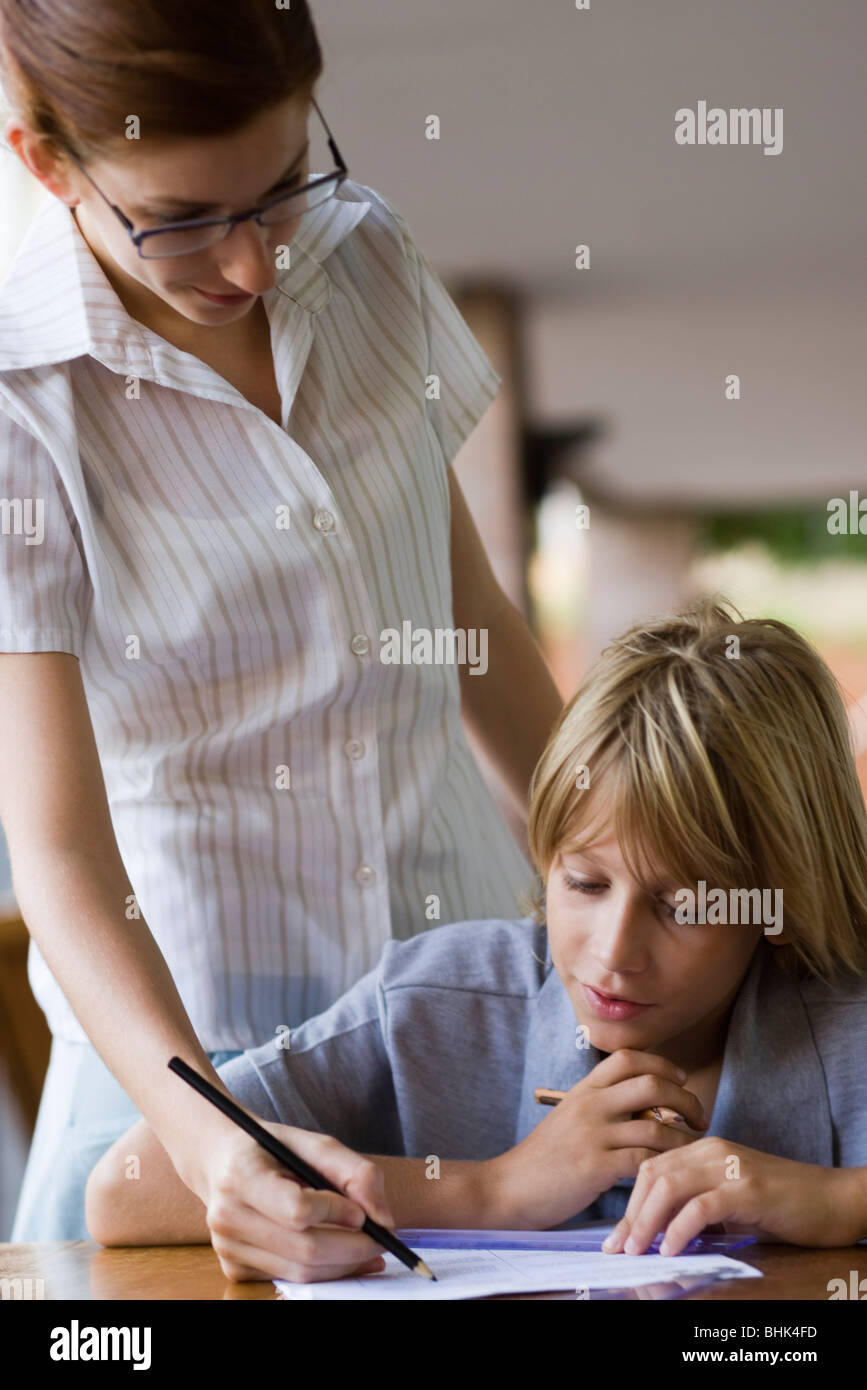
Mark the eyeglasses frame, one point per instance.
(341, 172)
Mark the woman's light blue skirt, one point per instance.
(82, 1111)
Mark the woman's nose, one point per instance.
(246, 258)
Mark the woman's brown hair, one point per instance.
(76, 70)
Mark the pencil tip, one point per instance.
(421, 1268)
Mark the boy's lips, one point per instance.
(617, 998)
(614, 1009)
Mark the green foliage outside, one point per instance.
(793, 535)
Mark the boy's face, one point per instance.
(608, 932)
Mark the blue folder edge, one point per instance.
(711, 1244)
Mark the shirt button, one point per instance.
(323, 520)
(360, 644)
(354, 748)
(365, 874)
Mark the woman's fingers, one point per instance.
(311, 1258)
(249, 1176)
(256, 1184)
(279, 1228)
(354, 1174)
(266, 1224)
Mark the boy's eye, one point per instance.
(591, 889)
(579, 885)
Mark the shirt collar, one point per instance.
(57, 304)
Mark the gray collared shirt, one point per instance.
(439, 1049)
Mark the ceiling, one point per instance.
(557, 127)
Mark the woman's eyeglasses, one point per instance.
(196, 234)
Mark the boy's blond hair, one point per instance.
(723, 760)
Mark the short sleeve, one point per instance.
(331, 1074)
(468, 382)
(43, 574)
(242, 1079)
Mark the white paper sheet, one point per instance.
(477, 1273)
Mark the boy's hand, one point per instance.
(590, 1140)
(777, 1199)
(265, 1225)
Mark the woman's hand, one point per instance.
(265, 1225)
(590, 1140)
(713, 1181)
(262, 1223)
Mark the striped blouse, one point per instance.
(284, 801)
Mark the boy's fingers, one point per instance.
(668, 1096)
(685, 1105)
(656, 1137)
(627, 1063)
(623, 1065)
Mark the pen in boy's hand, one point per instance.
(545, 1096)
(297, 1166)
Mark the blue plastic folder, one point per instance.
(586, 1239)
(556, 1240)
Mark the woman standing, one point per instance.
(230, 391)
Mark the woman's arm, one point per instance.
(73, 892)
(513, 705)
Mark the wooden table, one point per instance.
(84, 1270)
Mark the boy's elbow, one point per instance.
(105, 1205)
(134, 1196)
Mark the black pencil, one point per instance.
(309, 1176)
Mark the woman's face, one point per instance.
(200, 177)
(608, 932)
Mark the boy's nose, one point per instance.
(621, 937)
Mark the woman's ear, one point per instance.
(45, 164)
